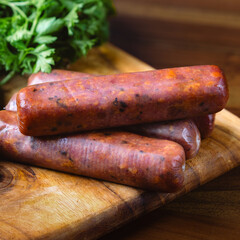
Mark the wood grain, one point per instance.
(216, 5)
(168, 224)
(173, 13)
(42, 204)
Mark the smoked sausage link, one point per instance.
(121, 99)
(115, 156)
(184, 132)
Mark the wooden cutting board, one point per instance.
(36, 203)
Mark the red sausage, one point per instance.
(184, 132)
(116, 156)
(205, 124)
(122, 99)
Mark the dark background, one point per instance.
(182, 32)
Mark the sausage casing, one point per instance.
(121, 99)
(204, 123)
(116, 156)
(184, 132)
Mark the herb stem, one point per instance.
(7, 78)
(14, 7)
(33, 27)
(21, 3)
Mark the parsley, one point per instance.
(37, 34)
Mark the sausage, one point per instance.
(115, 156)
(184, 132)
(205, 124)
(121, 99)
(55, 75)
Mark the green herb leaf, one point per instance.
(37, 34)
(49, 25)
(20, 34)
(44, 58)
(44, 39)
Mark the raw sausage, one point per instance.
(121, 99)
(184, 132)
(116, 156)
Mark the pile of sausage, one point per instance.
(132, 128)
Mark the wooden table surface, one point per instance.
(47, 208)
(180, 33)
